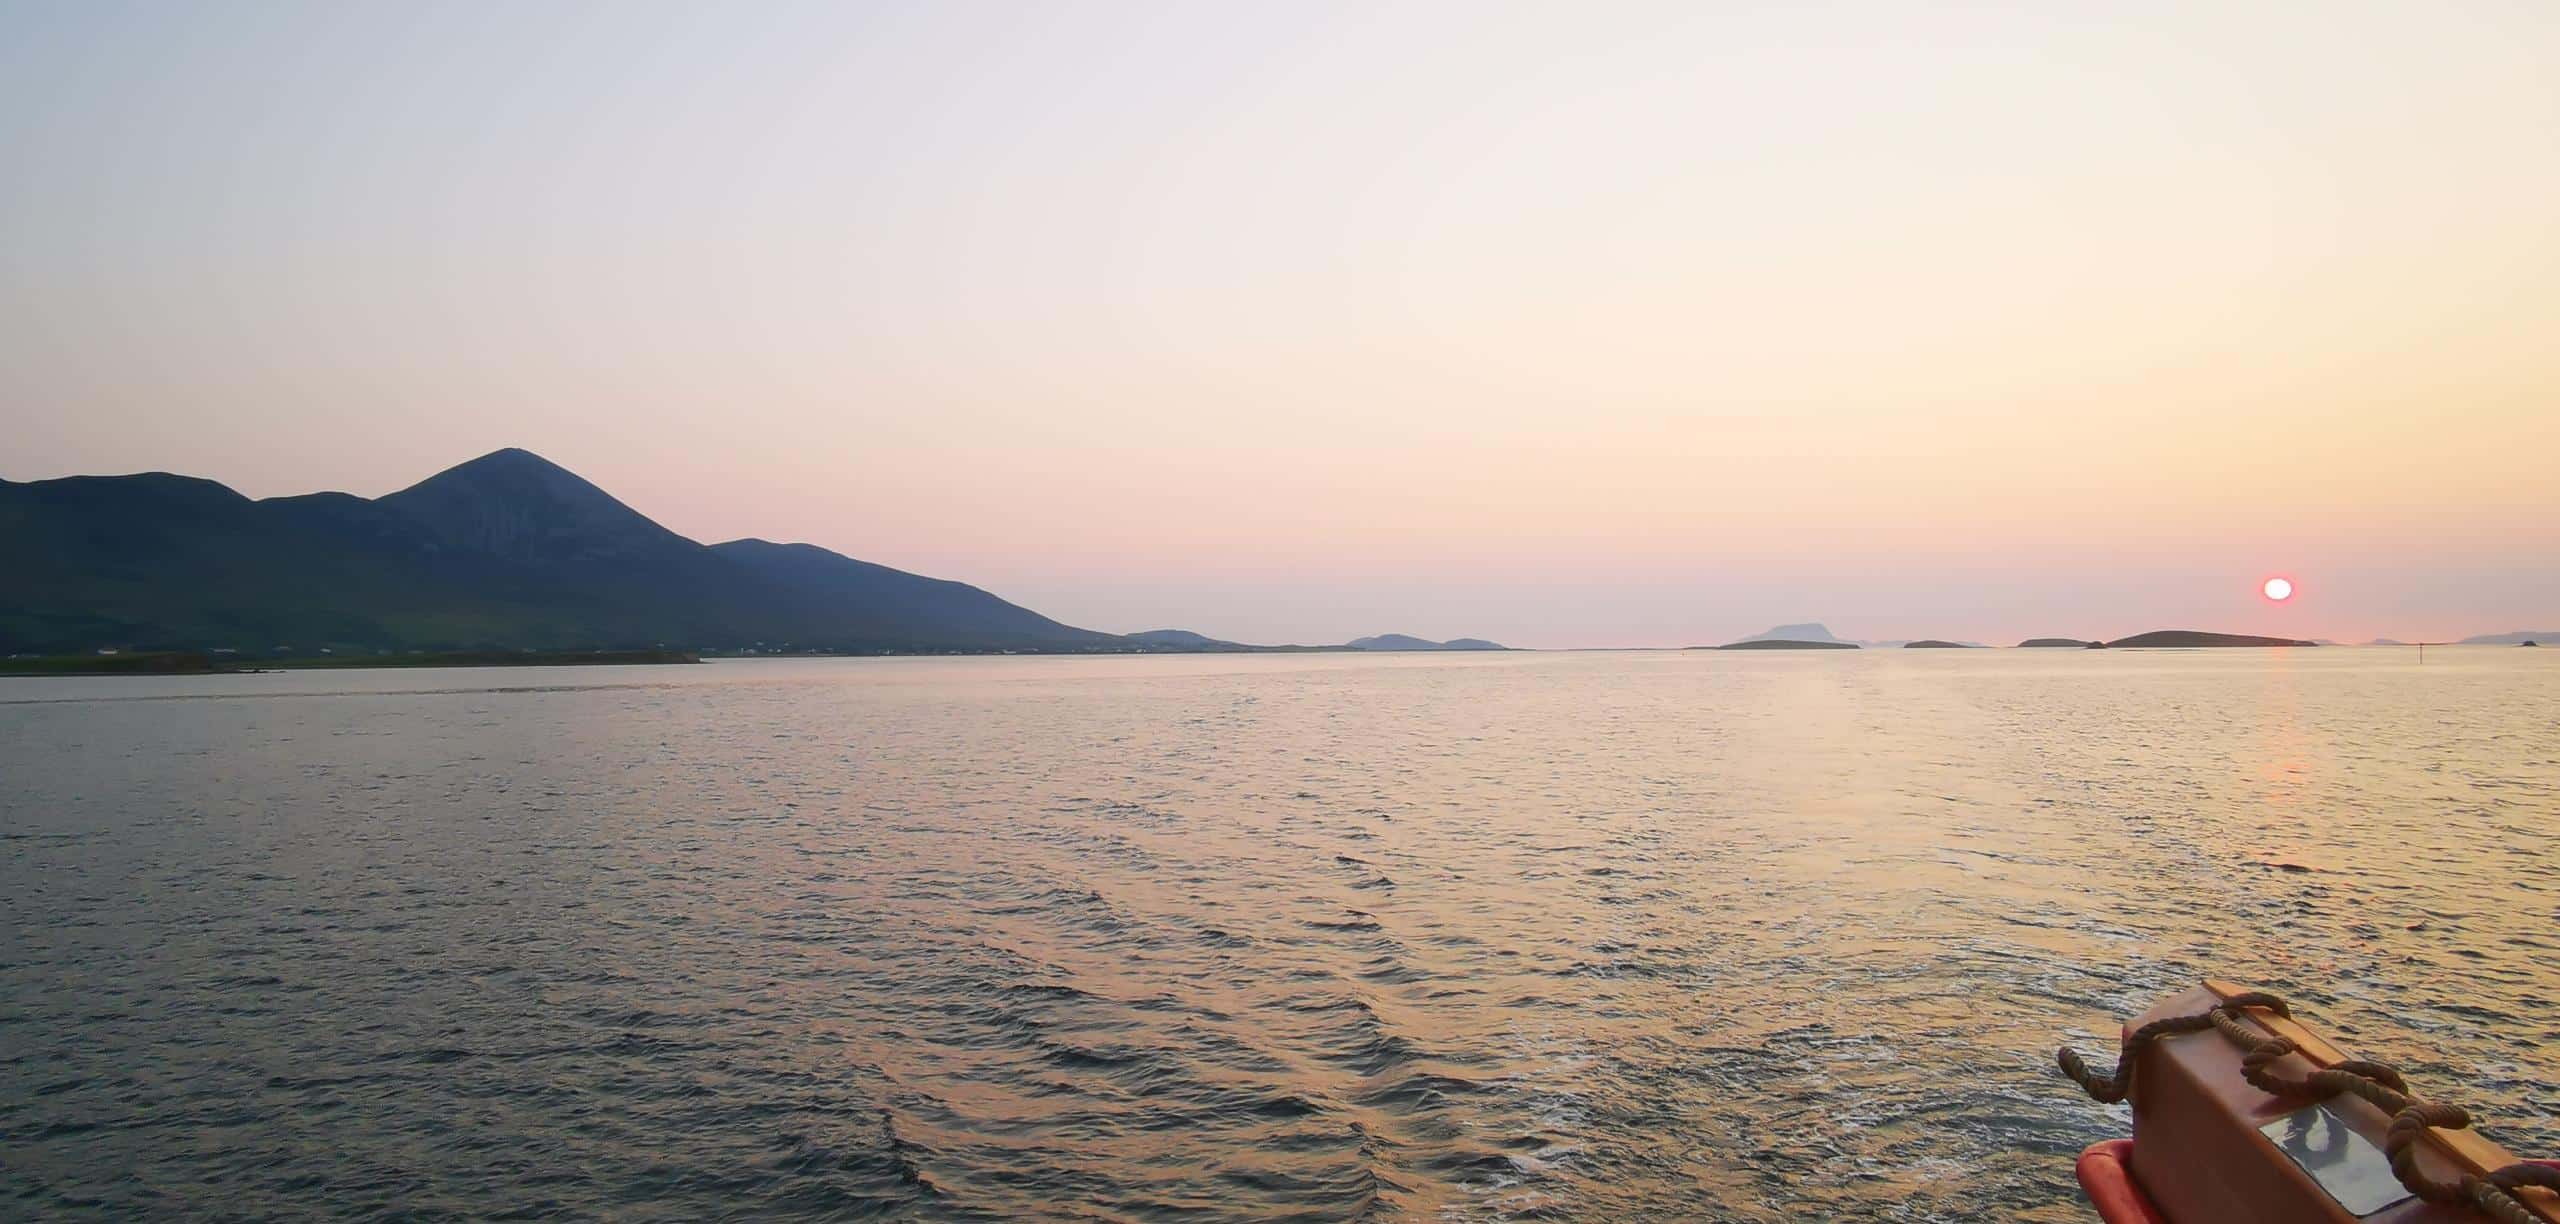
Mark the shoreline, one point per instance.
(200, 663)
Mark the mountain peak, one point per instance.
(505, 459)
(518, 505)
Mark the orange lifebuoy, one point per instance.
(2107, 1178)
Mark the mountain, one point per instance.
(1935, 644)
(1184, 639)
(1400, 641)
(2192, 637)
(507, 551)
(2517, 638)
(883, 604)
(1809, 632)
(516, 506)
(2054, 643)
(1781, 644)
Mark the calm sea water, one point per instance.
(1621, 936)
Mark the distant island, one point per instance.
(1816, 637)
(1808, 635)
(1188, 641)
(2161, 638)
(2521, 637)
(1809, 631)
(2192, 637)
(1779, 644)
(1820, 635)
(1400, 641)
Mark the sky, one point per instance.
(1605, 324)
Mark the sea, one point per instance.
(1607, 936)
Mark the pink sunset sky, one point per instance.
(1562, 324)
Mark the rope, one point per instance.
(2491, 1193)
(2110, 1089)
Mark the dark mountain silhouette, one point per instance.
(1393, 641)
(1181, 639)
(2055, 643)
(514, 505)
(2193, 637)
(886, 604)
(1185, 641)
(1935, 644)
(507, 551)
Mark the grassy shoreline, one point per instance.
(201, 663)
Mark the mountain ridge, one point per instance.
(508, 550)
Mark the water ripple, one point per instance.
(1305, 938)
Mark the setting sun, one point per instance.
(2279, 589)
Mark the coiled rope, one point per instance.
(2491, 1193)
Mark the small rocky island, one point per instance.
(1406, 641)
(1935, 644)
(2058, 643)
(2194, 637)
(1806, 635)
